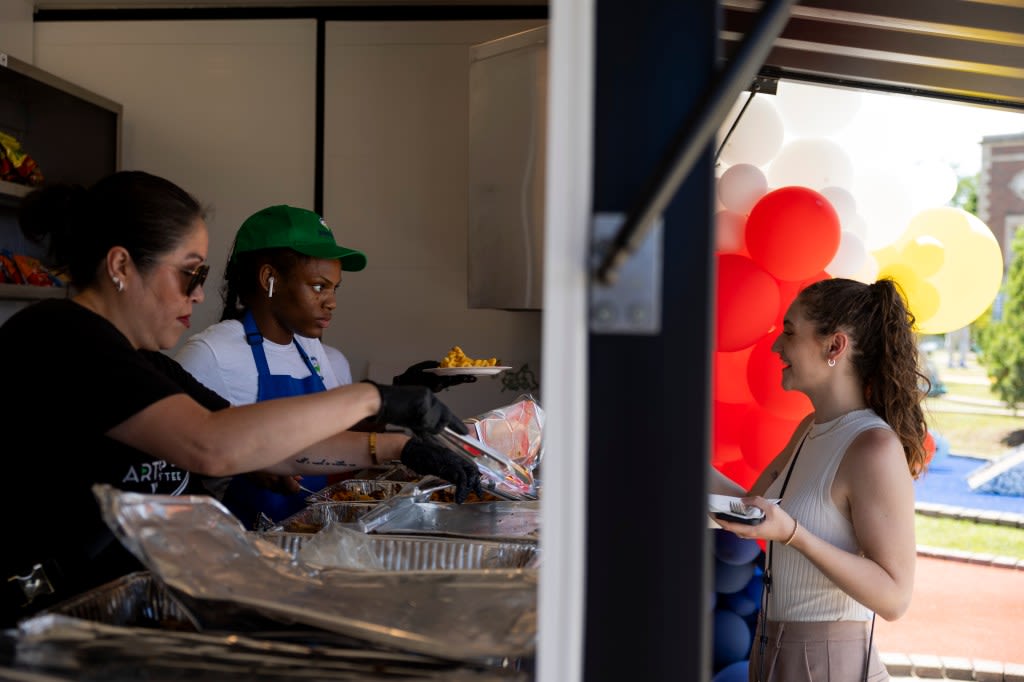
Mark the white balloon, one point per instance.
(933, 184)
(758, 135)
(850, 256)
(729, 231)
(868, 272)
(856, 225)
(842, 201)
(814, 162)
(883, 200)
(816, 110)
(741, 186)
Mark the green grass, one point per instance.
(968, 536)
(976, 435)
(969, 390)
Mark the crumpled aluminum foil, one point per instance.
(194, 545)
(53, 646)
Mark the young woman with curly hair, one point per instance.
(841, 544)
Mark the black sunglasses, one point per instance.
(195, 278)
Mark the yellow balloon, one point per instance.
(921, 297)
(925, 254)
(885, 256)
(971, 271)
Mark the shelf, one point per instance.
(28, 292)
(11, 193)
(14, 188)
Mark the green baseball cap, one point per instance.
(287, 227)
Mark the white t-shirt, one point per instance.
(220, 358)
(339, 362)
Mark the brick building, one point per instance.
(1001, 188)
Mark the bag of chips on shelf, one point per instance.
(15, 165)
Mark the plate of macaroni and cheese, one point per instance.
(457, 362)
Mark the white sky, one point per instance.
(904, 130)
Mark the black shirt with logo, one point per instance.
(70, 376)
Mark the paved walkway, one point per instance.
(962, 623)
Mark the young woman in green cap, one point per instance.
(279, 295)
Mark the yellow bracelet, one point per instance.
(372, 442)
(796, 526)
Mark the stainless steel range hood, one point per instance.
(507, 140)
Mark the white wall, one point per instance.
(223, 108)
(16, 29)
(227, 110)
(395, 167)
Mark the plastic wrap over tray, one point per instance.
(315, 517)
(196, 547)
(517, 430)
(356, 490)
(421, 553)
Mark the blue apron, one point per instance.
(244, 498)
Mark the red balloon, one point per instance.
(725, 454)
(740, 472)
(727, 422)
(730, 377)
(929, 447)
(764, 376)
(746, 304)
(764, 437)
(793, 232)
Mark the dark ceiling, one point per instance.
(967, 50)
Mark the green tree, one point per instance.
(1004, 338)
(966, 195)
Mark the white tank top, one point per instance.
(800, 592)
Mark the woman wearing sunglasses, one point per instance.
(93, 400)
(279, 296)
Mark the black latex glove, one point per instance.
(417, 408)
(425, 459)
(416, 376)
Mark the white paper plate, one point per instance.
(475, 371)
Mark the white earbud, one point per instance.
(270, 289)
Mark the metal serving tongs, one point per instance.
(387, 510)
(503, 476)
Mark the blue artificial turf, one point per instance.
(945, 482)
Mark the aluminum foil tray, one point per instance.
(515, 520)
(357, 490)
(133, 628)
(416, 553)
(313, 518)
(200, 551)
(135, 599)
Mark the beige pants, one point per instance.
(815, 652)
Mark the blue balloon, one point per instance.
(740, 604)
(731, 578)
(733, 549)
(734, 672)
(754, 587)
(731, 638)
